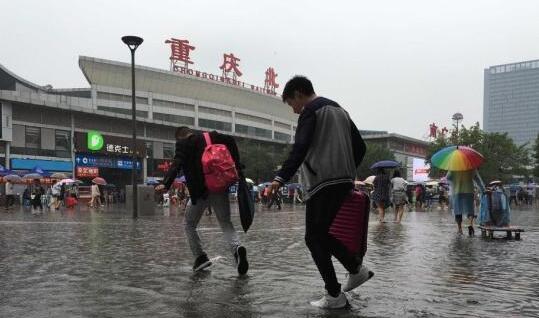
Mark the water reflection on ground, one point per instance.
(103, 264)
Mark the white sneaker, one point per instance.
(356, 280)
(329, 302)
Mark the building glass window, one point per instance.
(282, 136)
(63, 143)
(175, 105)
(33, 137)
(121, 98)
(253, 131)
(214, 124)
(282, 125)
(214, 111)
(149, 149)
(140, 113)
(168, 151)
(174, 118)
(255, 119)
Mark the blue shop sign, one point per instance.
(105, 162)
(47, 165)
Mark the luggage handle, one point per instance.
(207, 138)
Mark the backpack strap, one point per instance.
(207, 138)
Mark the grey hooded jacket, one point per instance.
(328, 147)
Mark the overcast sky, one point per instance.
(394, 65)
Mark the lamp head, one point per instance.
(132, 41)
(457, 116)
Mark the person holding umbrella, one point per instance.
(382, 184)
(461, 162)
(9, 194)
(96, 202)
(380, 195)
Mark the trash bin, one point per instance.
(146, 202)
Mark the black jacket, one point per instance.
(188, 158)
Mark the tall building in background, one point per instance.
(511, 100)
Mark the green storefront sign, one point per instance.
(95, 141)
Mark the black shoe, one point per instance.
(241, 260)
(471, 230)
(201, 262)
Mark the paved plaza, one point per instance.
(83, 263)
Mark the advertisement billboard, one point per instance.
(420, 170)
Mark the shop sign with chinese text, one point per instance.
(87, 172)
(95, 142)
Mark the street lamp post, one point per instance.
(457, 117)
(133, 43)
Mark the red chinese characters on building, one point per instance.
(433, 130)
(179, 53)
(271, 80)
(230, 64)
(87, 172)
(444, 131)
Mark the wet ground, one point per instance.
(104, 264)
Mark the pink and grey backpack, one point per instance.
(218, 167)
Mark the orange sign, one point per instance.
(87, 172)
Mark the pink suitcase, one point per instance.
(351, 223)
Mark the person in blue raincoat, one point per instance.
(495, 209)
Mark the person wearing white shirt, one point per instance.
(9, 195)
(399, 197)
(95, 202)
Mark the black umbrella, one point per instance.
(385, 164)
(245, 203)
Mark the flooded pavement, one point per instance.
(103, 264)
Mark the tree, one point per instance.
(260, 158)
(375, 152)
(536, 157)
(503, 158)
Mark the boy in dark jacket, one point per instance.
(190, 146)
(329, 148)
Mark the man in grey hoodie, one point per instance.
(329, 148)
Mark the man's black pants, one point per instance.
(321, 209)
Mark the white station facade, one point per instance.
(50, 128)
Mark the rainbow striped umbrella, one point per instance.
(457, 158)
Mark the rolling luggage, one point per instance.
(351, 223)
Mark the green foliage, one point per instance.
(261, 159)
(503, 158)
(375, 152)
(536, 157)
